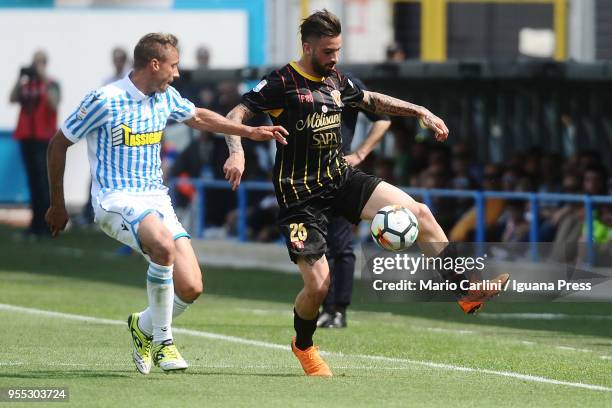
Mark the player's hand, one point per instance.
(262, 133)
(57, 218)
(431, 121)
(354, 159)
(233, 169)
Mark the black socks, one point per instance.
(304, 329)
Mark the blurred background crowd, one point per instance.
(543, 131)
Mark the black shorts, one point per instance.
(304, 224)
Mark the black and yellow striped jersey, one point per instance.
(310, 108)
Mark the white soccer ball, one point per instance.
(394, 228)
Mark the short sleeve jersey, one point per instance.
(349, 118)
(310, 108)
(124, 128)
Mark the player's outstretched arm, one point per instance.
(388, 105)
(234, 165)
(57, 216)
(210, 121)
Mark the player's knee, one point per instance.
(319, 290)
(162, 250)
(424, 216)
(190, 292)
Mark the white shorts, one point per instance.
(119, 213)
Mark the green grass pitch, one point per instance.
(236, 340)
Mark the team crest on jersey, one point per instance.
(335, 94)
(81, 113)
(84, 108)
(122, 135)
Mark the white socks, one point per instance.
(179, 306)
(160, 291)
(145, 322)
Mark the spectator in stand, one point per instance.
(595, 179)
(203, 57)
(602, 237)
(206, 95)
(462, 178)
(515, 223)
(571, 225)
(551, 217)
(437, 176)
(595, 184)
(121, 65)
(511, 177)
(38, 96)
(515, 227)
(550, 174)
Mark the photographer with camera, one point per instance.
(39, 97)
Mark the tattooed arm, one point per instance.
(207, 120)
(239, 114)
(234, 165)
(388, 105)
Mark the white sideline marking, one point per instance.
(191, 365)
(263, 312)
(543, 316)
(240, 340)
(573, 349)
(441, 330)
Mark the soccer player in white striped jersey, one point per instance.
(123, 123)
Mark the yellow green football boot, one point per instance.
(167, 357)
(142, 345)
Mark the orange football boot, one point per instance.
(311, 361)
(474, 300)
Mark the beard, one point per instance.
(320, 69)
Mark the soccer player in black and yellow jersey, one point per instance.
(312, 180)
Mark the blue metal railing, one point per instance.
(427, 195)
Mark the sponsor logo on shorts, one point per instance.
(297, 245)
(128, 211)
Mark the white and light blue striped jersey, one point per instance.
(123, 128)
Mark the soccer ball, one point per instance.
(394, 228)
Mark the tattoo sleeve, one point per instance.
(388, 105)
(239, 114)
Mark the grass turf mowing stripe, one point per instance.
(240, 340)
(542, 316)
